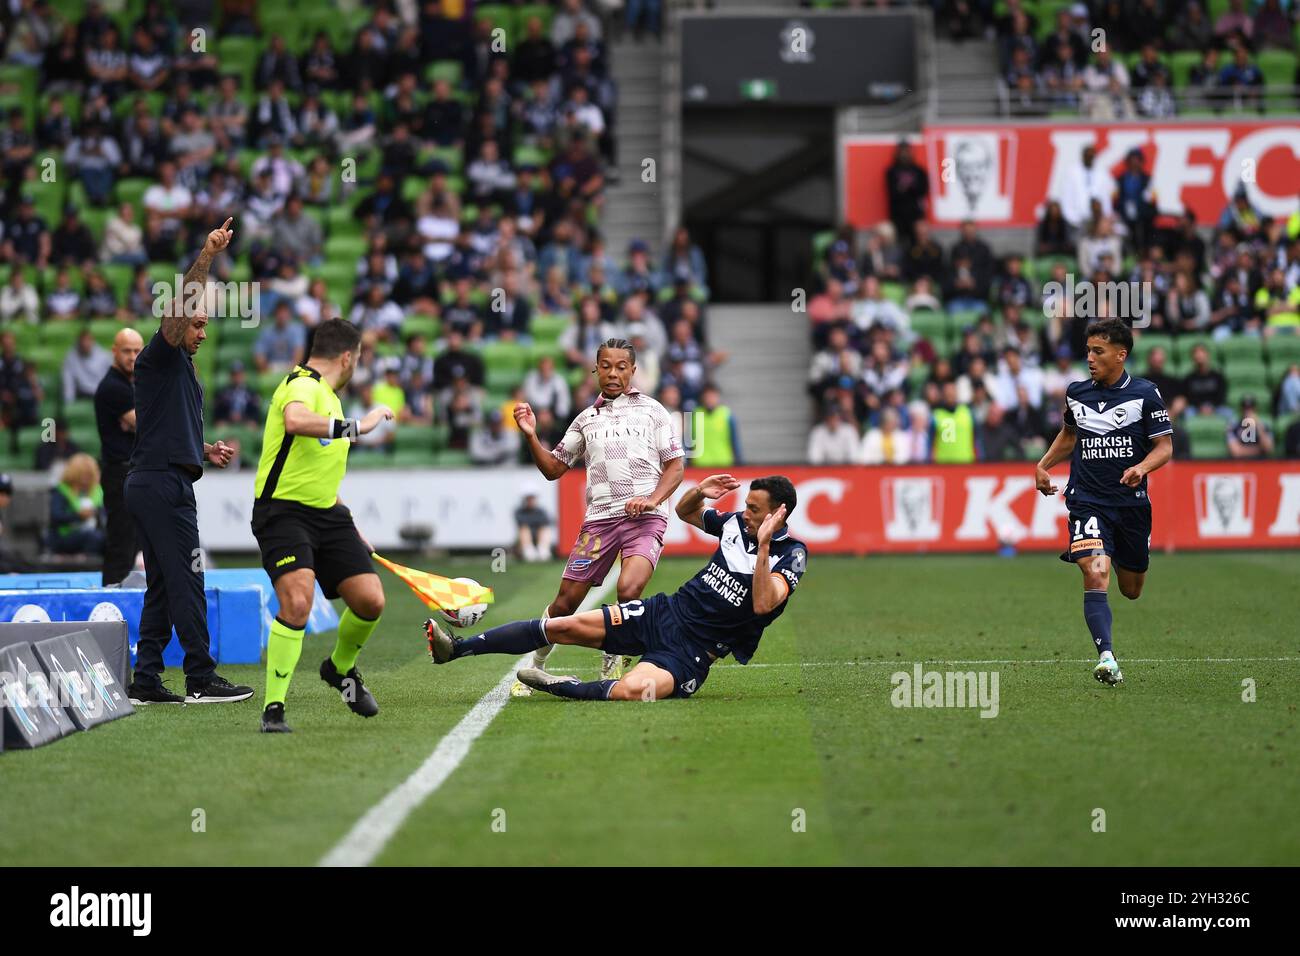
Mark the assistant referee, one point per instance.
(166, 461)
(306, 534)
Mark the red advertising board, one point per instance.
(972, 508)
(1002, 174)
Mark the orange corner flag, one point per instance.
(437, 592)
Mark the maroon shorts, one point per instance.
(600, 542)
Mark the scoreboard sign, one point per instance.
(802, 60)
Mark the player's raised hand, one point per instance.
(380, 413)
(219, 238)
(770, 525)
(715, 486)
(525, 419)
(1132, 476)
(1043, 482)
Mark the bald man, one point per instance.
(115, 416)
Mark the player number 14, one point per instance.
(1090, 528)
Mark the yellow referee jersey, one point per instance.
(298, 467)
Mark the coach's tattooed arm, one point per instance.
(1061, 450)
(194, 285)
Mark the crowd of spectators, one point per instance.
(442, 192)
(910, 334)
(1120, 59)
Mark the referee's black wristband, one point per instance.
(344, 427)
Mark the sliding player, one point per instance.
(722, 610)
(1116, 431)
(634, 463)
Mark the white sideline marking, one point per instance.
(369, 835)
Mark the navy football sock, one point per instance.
(517, 637)
(588, 690)
(1096, 611)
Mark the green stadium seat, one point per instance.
(1207, 435)
(1184, 344)
(104, 330)
(894, 292)
(449, 70)
(548, 327)
(450, 458)
(541, 10)
(80, 414)
(414, 458)
(1242, 350)
(87, 436)
(932, 325)
(132, 190)
(499, 15)
(1181, 64)
(421, 325)
(239, 55)
(1278, 66)
(418, 438)
(1283, 348)
(56, 339)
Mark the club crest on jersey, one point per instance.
(1120, 414)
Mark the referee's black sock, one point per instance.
(517, 637)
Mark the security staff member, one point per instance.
(167, 460)
(115, 417)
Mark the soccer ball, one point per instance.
(466, 616)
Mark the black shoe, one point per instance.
(351, 686)
(273, 720)
(151, 693)
(216, 690)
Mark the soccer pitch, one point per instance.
(800, 758)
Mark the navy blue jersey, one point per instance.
(1116, 427)
(168, 410)
(717, 605)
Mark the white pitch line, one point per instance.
(369, 835)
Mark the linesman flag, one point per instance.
(437, 592)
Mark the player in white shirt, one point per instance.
(634, 461)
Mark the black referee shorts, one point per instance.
(292, 536)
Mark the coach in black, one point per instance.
(167, 460)
(115, 417)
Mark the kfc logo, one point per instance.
(1225, 505)
(913, 508)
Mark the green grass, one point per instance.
(1186, 772)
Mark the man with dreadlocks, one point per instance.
(634, 463)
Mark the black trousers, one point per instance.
(167, 528)
(119, 543)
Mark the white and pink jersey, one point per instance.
(625, 444)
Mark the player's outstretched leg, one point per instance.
(1096, 612)
(567, 601)
(518, 637)
(644, 682)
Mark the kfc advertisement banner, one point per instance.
(1003, 174)
(978, 507)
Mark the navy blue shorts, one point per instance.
(1122, 533)
(648, 629)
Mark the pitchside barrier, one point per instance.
(55, 684)
(323, 617)
(981, 508)
(234, 616)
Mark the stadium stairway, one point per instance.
(966, 75)
(633, 209)
(764, 381)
